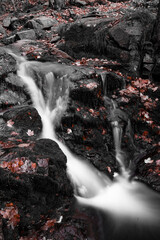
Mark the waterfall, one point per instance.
(124, 200)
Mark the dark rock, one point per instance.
(102, 36)
(35, 194)
(112, 82)
(33, 24)
(86, 91)
(120, 36)
(57, 4)
(9, 40)
(25, 118)
(79, 3)
(156, 70)
(27, 34)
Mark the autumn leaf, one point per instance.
(33, 165)
(30, 132)
(148, 160)
(23, 145)
(10, 123)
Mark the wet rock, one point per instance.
(25, 119)
(86, 91)
(27, 34)
(35, 190)
(112, 82)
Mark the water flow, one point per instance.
(81, 173)
(117, 135)
(123, 199)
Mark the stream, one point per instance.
(127, 207)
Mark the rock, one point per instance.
(7, 63)
(14, 80)
(36, 184)
(6, 22)
(118, 40)
(9, 97)
(25, 118)
(57, 4)
(33, 24)
(2, 30)
(79, 3)
(120, 36)
(42, 22)
(55, 39)
(86, 91)
(9, 40)
(156, 70)
(27, 34)
(112, 82)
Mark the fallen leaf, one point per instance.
(23, 145)
(30, 132)
(148, 160)
(10, 123)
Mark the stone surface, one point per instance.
(46, 22)
(6, 22)
(27, 34)
(116, 40)
(25, 118)
(7, 63)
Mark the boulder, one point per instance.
(35, 184)
(117, 40)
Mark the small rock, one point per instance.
(6, 22)
(27, 34)
(9, 40)
(46, 22)
(80, 3)
(55, 39)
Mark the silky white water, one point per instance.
(121, 198)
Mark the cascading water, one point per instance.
(128, 203)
